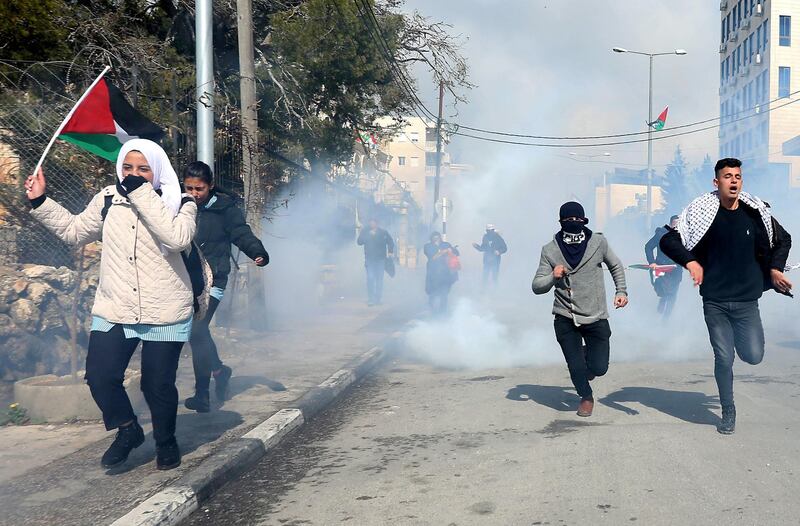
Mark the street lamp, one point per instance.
(679, 52)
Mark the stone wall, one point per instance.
(35, 317)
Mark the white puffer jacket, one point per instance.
(138, 283)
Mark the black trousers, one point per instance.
(108, 357)
(205, 358)
(594, 359)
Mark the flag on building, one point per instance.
(103, 120)
(661, 121)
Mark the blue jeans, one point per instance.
(491, 269)
(375, 270)
(734, 328)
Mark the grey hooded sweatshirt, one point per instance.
(581, 294)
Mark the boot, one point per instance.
(128, 438)
(199, 402)
(168, 456)
(728, 424)
(221, 382)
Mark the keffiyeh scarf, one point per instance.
(695, 221)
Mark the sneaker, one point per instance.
(199, 402)
(586, 407)
(728, 424)
(221, 382)
(128, 438)
(168, 456)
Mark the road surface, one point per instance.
(416, 444)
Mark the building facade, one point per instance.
(759, 65)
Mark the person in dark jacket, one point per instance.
(734, 250)
(378, 247)
(493, 247)
(440, 274)
(220, 223)
(666, 285)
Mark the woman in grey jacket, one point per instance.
(572, 264)
(144, 293)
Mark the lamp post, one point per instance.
(651, 56)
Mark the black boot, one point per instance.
(168, 456)
(728, 424)
(128, 438)
(199, 402)
(221, 382)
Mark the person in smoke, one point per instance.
(144, 293)
(493, 247)
(441, 271)
(378, 246)
(571, 263)
(220, 223)
(667, 285)
(734, 250)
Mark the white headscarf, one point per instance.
(164, 176)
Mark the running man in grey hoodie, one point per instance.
(572, 264)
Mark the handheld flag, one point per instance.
(101, 121)
(660, 270)
(661, 121)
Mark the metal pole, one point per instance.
(650, 150)
(444, 219)
(204, 93)
(438, 153)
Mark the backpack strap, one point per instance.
(106, 206)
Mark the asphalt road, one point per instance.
(415, 444)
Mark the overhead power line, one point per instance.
(615, 143)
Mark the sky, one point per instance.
(545, 67)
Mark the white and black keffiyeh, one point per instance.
(696, 219)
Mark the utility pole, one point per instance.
(249, 118)
(438, 154)
(650, 150)
(204, 86)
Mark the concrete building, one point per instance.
(624, 191)
(412, 158)
(759, 60)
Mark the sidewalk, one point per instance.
(52, 474)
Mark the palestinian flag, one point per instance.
(661, 121)
(660, 270)
(103, 120)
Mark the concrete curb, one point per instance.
(182, 497)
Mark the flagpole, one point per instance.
(67, 118)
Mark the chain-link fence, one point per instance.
(34, 101)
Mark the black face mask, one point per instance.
(572, 227)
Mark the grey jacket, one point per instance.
(581, 294)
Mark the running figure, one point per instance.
(734, 250)
(571, 264)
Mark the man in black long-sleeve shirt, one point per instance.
(734, 250)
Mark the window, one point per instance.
(784, 81)
(785, 23)
(722, 33)
(401, 161)
(414, 136)
(752, 39)
(414, 162)
(746, 51)
(766, 33)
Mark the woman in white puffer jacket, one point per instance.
(144, 293)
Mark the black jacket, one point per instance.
(768, 258)
(376, 247)
(491, 242)
(218, 226)
(660, 258)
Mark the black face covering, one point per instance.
(572, 227)
(572, 239)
